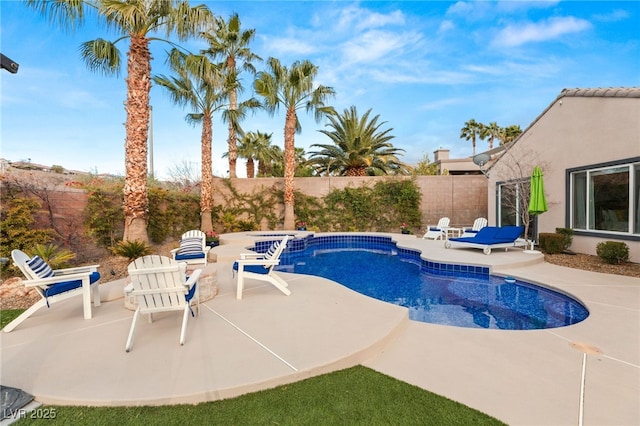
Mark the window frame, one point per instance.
(632, 164)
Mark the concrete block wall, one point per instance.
(462, 198)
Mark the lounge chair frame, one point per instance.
(438, 232)
(486, 247)
(160, 284)
(264, 262)
(86, 290)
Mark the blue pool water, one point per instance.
(457, 295)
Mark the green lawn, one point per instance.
(354, 396)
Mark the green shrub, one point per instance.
(567, 233)
(552, 243)
(131, 249)
(613, 252)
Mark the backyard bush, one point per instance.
(613, 252)
(552, 243)
(567, 233)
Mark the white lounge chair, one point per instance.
(478, 224)
(193, 248)
(55, 285)
(439, 231)
(259, 266)
(160, 284)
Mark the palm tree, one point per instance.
(470, 132)
(492, 132)
(264, 153)
(229, 43)
(135, 20)
(360, 147)
(293, 88)
(200, 86)
(510, 133)
(274, 162)
(253, 146)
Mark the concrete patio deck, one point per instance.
(267, 339)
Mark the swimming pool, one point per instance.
(438, 293)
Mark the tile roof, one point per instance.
(599, 92)
(602, 92)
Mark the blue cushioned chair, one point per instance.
(259, 266)
(491, 237)
(55, 285)
(193, 248)
(438, 231)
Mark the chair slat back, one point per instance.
(158, 282)
(20, 259)
(196, 233)
(479, 223)
(443, 223)
(276, 249)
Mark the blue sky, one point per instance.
(425, 67)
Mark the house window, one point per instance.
(606, 199)
(513, 201)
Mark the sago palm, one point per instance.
(231, 44)
(199, 85)
(140, 21)
(292, 88)
(360, 147)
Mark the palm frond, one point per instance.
(101, 55)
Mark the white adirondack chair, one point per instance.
(193, 248)
(55, 285)
(437, 232)
(259, 266)
(478, 224)
(160, 284)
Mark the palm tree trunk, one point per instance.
(289, 168)
(137, 130)
(251, 171)
(206, 187)
(233, 137)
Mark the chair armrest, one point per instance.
(264, 262)
(128, 288)
(55, 280)
(193, 278)
(175, 250)
(77, 270)
(251, 255)
(206, 249)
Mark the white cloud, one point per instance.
(615, 16)
(287, 45)
(518, 34)
(363, 19)
(510, 6)
(445, 26)
(371, 46)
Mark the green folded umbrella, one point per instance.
(537, 202)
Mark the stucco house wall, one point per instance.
(581, 127)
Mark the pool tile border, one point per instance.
(298, 244)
